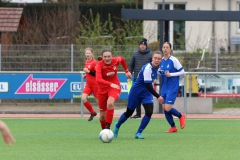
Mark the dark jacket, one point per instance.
(138, 60)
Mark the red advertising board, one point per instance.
(220, 95)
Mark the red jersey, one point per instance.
(90, 65)
(106, 74)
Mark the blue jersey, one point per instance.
(139, 93)
(170, 84)
(146, 75)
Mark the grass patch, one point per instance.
(63, 139)
(226, 103)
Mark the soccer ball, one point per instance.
(106, 136)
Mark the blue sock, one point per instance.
(144, 123)
(121, 120)
(169, 118)
(175, 112)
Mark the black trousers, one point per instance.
(138, 109)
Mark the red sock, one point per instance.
(103, 124)
(109, 116)
(89, 107)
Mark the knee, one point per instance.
(128, 113)
(102, 117)
(167, 108)
(84, 99)
(149, 113)
(148, 109)
(110, 105)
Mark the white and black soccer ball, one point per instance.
(106, 136)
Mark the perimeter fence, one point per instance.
(71, 58)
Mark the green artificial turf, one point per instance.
(77, 139)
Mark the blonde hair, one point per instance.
(90, 49)
(158, 52)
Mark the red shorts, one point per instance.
(89, 90)
(103, 97)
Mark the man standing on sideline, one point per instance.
(138, 59)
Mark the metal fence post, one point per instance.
(71, 63)
(216, 99)
(0, 57)
(72, 49)
(82, 86)
(185, 95)
(0, 62)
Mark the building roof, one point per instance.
(10, 19)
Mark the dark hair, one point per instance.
(168, 44)
(99, 58)
(107, 50)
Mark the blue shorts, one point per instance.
(136, 97)
(169, 98)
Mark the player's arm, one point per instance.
(125, 67)
(179, 73)
(93, 73)
(179, 68)
(83, 75)
(147, 75)
(151, 90)
(99, 78)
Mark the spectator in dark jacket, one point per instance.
(138, 59)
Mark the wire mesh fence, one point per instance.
(71, 58)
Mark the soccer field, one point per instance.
(74, 139)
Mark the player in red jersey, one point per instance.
(109, 88)
(91, 84)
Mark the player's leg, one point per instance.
(95, 93)
(133, 99)
(171, 98)
(170, 120)
(86, 92)
(131, 105)
(168, 115)
(138, 111)
(102, 99)
(181, 116)
(94, 90)
(121, 120)
(113, 95)
(145, 120)
(109, 112)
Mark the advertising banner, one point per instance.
(46, 86)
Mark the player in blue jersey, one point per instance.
(142, 92)
(170, 69)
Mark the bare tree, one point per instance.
(49, 27)
(73, 17)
